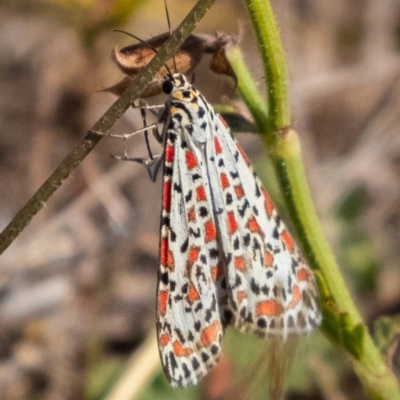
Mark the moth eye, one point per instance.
(167, 86)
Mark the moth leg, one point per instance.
(151, 162)
(125, 135)
(144, 105)
(152, 165)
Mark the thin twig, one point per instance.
(111, 116)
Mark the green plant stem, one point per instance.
(274, 61)
(111, 116)
(377, 379)
(247, 87)
(342, 321)
(289, 167)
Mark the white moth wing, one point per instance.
(271, 290)
(188, 308)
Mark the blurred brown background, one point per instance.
(77, 287)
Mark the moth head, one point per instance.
(174, 82)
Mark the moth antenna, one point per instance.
(168, 70)
(145, 43)
(137, 38)
(167, 14)
(169, 28)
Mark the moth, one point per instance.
(226, 257)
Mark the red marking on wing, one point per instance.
(296, 297)
(217, 272)
(169, 153)
(193, 294)
(191, 160)
(211, 233)
(193, 254)
(241, 296)
(288, 240)
(217, 145)
(167, 196)
(239, 191)
(210, 334)
(268, 259)
(302, 275)
(164, 339)
(232, 224)
(181, 351)
(192, 215)
(201, 194)
(224, 181)
(162, 301)
(170, 261)
(269, 206)
(252, 224)
(270, 308)
(164, 251)
(166, 256)
(239, 263)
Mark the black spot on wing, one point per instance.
(184, 246)
(203, 212)
(188, 197)
(177, 188)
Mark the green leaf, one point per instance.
(385, 331)
(354, 339)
